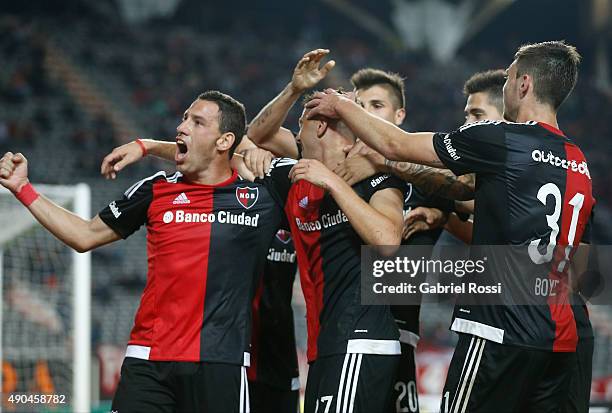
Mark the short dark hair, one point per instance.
(554, 68)
(490, 82)
(232, 117)
(368, 77)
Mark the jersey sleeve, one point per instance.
(474, 148)
(126, 215)
(277, 179)
(379, 182)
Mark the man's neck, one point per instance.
(329, 152)
(332, 157)
(214, 174)
(538, 113)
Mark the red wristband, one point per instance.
(27, 194)
(142, 147)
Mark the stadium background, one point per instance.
(79, 77)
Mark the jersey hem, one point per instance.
(144, 353)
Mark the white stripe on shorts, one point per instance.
(244, 391)
(468, 375)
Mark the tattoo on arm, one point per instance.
(433, 181)
(263, 116)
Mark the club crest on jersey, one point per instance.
(283, 236)
(247, 196)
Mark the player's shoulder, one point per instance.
(280, 164)
(496, 125)
(379, 182)
(150, 180)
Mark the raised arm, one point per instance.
(132, 152)
(378, 222)
(248, 159)
(266, 129)
(434, 181)
(76, 232)
(384, 137)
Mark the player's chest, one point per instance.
(311, 211)
(183, 209)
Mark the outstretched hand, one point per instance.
(307, 73)
(119, 158)
(13, 171)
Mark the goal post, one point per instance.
(45, 302)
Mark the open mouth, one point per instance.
(181, 150)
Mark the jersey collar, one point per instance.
(552, 129)
(228, 181)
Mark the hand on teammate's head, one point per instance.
(323, 105)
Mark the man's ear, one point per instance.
(526, 84)
(322, 126)
(400, 115)
(225, 141)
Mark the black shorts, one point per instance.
(175, 386)
(485, 376)
(579, 395)
(269, 399)
(350, 383)
(404, 390)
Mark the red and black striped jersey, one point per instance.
(533, 191)
(206, 248)
(329, 258)
(273, 350)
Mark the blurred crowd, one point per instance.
(161, 68)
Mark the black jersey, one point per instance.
(273, 351)
(416, 198)
(329, 260)
(196, 305)
(533, 190)
(407, 316)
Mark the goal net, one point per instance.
(45, 306)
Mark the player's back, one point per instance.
(533, 196)
(542, 172)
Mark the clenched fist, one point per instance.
(13, 171)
